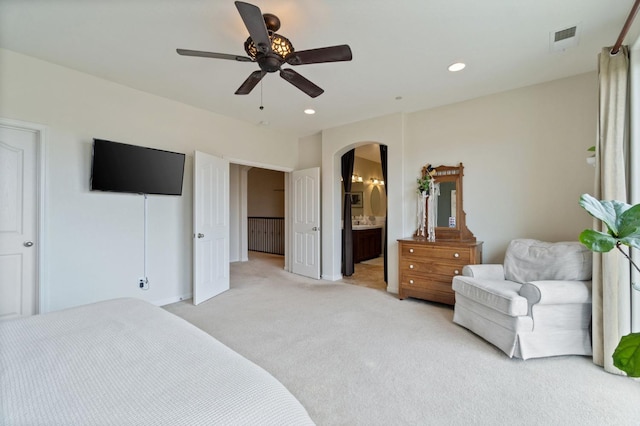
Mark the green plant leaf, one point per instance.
(603, 210)
(629, 226)
(597, 241)
(626, 357)
(592, 149)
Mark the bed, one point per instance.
(127, 362)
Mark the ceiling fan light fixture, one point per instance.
(280, 45)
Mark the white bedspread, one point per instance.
(127, 362)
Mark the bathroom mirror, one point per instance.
(451, 218)
(376, 204)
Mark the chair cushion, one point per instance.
(532, 260)
(500, 295)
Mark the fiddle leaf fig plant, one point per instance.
(623, 228)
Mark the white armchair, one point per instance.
(537, 304)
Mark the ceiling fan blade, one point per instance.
(323, 54)
(301, 83)
(250, 82)
(199, 53)
(254, 21)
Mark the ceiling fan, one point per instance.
(271, 51)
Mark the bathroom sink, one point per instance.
(357, 227)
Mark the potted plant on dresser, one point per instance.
(623, 228)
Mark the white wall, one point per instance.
(310, 151)
(235, 212)
(94, 239)
(524, 153)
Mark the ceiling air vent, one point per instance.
(563, 39)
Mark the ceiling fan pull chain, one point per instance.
(261, 105)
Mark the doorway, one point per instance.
(368, 215)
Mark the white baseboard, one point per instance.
(332, 277)
(171, 300)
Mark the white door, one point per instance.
(18, 221)
(306, 222)
(210, 226)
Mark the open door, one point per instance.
(210, 226)
(306, 222)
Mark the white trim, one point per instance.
(256, 164)
(41, 131)
(170, 300)
(331, 277)
(244, 222)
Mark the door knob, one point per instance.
(28, 243)
(315, 228)
(200, 235)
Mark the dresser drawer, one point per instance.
(431, 288)
(425, 267)
(462, 254)
(442, 283)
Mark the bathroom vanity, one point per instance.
(367, 242)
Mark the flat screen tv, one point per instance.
(120, 167)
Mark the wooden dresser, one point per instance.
(426, 269)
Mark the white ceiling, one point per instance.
(401, 48)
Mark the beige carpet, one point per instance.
(357, 356)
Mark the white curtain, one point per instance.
(634, 168)
(611, 271)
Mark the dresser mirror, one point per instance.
(450, 218)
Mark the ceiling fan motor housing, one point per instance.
(269, 62)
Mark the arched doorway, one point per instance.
(364, 240)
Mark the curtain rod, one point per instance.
(625, 28)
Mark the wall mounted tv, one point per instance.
(120, 167)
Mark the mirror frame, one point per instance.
(460, 232)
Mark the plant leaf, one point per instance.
(629, 226)
(597, 241)
(603, 210)
(627, 355)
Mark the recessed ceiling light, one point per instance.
(458, 66)
(309, 111)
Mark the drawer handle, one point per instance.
(410, 281)
(456, 272)
(456, 255)
(410, 266)
(410, 250)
